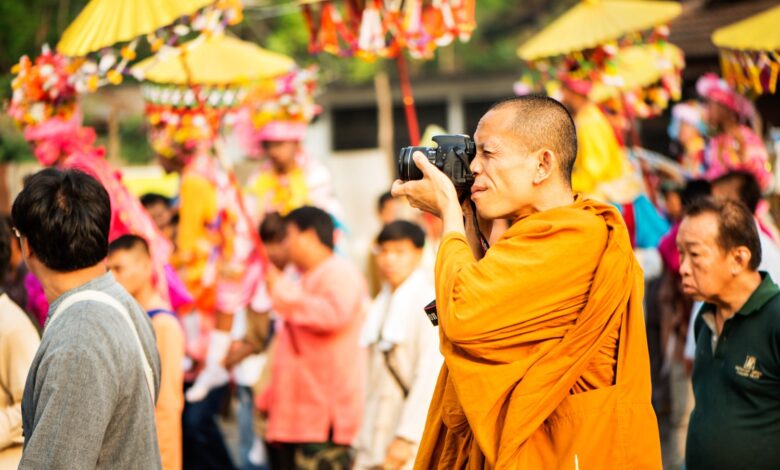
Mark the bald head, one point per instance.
(539, 123)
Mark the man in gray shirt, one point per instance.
(89, 398)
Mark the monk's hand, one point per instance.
(398, 453)
(434, 193)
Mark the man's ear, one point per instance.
(741, 256)
(545, 162)
(27, 251)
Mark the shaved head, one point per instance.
(543, 123)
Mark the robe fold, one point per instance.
(546, 361)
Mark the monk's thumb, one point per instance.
(423, 163)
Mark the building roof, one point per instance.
(693, 28)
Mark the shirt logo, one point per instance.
(748, 369)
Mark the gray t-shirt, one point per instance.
(86, 402)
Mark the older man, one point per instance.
(546, 362)
(90, 393)
(736, 372)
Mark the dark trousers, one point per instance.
(309, 456)
(204, 446)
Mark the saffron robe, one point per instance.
(546, 361)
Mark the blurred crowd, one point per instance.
(331, 365)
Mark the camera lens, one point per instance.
(407, 170)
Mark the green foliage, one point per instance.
(26, 25)
(135, 149)
(13, 147)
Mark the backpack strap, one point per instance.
(103, 298)
(156, 311)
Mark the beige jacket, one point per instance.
(396, 321)
(18, 343)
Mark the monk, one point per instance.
(543, 336)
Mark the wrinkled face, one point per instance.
(282, 153)
(397, 260)
(132, 269)
(503, 169)
(704, 267)
(160, 214)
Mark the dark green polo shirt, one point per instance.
(736, 420)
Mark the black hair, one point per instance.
(383, 199)
(309, 217)
(695, 190)
(6, 238)
(128, 242)
(736, 226)
(542, 122)
(150, 199)
(747, 187)
(65, 215)
(273, 228)
(402, 230)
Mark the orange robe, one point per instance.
(546, 362)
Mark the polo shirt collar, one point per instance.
(763, 294)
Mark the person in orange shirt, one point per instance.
(129, 260)
(543, 336)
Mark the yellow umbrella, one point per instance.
(750, 52)
(103, 23)
(759, 32)
(638, 67)
(594, 22)
(217, 60)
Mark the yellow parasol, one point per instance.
(217, 60)
(750, 52)
(104, 23)
(757, 33)
(638, 67)
(594, 22)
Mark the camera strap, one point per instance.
(482, 240)
(394, 372)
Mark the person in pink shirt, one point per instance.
(315, 397)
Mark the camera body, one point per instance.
(452, 157)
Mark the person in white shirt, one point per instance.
(18, 343)
(404, 357)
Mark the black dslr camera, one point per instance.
(452, 156)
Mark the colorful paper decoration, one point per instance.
(643, 68)
(287, 98)
(382, 29)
